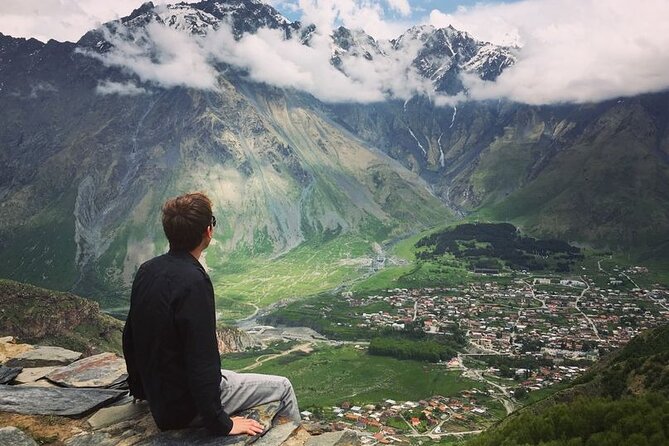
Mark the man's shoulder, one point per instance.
(185, 267)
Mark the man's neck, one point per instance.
(197, 252)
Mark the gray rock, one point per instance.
(32, 374)
(7, 374)
(54, 401)
(201, 437)
(94, 439)
(116, 414)
(341, 438)
(103, 370)
(11, 436)
(277, 435)
(43, 356)
(195, 437)
(39, 383)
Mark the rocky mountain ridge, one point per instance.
(437, 55)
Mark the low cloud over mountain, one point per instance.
(571, 50)
(567, 50)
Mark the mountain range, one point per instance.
(95, 135)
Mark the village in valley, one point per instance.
(526, 334)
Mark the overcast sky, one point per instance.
(571, 50)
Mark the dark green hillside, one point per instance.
(621, 400)
(40, 316)
(588, 422)
(642, 366)
(497, 245)
(607, 183)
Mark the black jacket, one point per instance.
(169, 343)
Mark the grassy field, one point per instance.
(414, 273)
(311, 269)
(658, 272)
(329, 315)
(331, 375)
(237, 361)
(305, 271)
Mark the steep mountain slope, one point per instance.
(595, 173)
(84, 174)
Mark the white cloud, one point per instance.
(169, 58)
(120, 88)
(572, 50)
(355, 14)
(61, 19)
(161, 55)
(287, 63)
(401, 6)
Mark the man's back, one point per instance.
(170, 343)
(169, 339)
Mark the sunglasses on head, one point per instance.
(213, 221)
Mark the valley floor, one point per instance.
(527, 335)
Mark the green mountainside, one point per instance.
(594, 173)
(622, 400)
(84, 177)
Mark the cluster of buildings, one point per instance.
(559, 325)
(391, 421)
(567, 321)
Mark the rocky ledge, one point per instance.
(53, 396)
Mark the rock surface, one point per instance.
(200, 437)
(103, 370)
(277, 435)
(7, 374)
(39, 383)
(36, 406)
(43, 356)
(109, 416)
(11, 436)
(340, 438)
(9, 349)
(53, 401)
(32, 374)
(231, 339)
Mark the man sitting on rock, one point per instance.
(169, 339)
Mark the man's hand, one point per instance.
(247, 426)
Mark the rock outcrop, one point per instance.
(232, 340)
(75, 405)
(40, 316)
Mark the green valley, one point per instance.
(517, 333)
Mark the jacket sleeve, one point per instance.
(134, 378)
(195, 320)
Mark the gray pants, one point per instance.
(240, 391)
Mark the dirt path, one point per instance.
(306, 348)
(592, 324)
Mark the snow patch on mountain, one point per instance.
(184, 17)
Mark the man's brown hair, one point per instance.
(185, 218)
